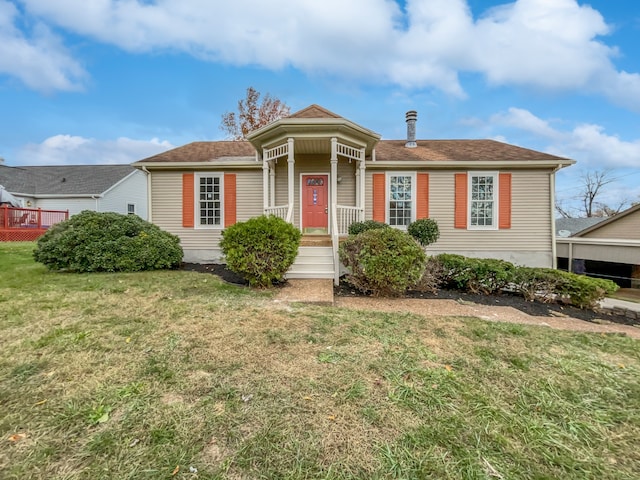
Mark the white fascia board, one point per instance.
(453, 164)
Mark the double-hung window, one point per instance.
(401, 188)
(483, 205)
(209, 204)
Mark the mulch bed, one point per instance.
(503, 300)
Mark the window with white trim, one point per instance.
(483, 207)
(401, 208)
(209, 205)
(131, 208)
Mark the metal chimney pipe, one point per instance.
(412, 117)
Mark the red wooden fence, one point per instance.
(27, 224)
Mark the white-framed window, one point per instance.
(209, 200)
(401, 206)
(483, 204)
(131, 208)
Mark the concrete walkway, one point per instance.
(316, 291)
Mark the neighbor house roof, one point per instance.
(63, 179)
(609, 220)
(575, 225)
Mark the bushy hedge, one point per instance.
(425, 231)
(261, 249)
(359, 227)
(383, 261)
(107, 242)
(475, 275)
(544, 284)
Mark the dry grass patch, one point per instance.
(129, 375)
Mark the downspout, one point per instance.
(148, 173)
(96, 197)
(552, 188)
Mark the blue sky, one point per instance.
(114, 81)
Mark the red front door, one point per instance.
(315, 203)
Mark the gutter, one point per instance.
(552, 196)
(148, 173)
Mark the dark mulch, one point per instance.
(505, 299)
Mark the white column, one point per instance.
(334, 177)
(363, 182)
(290, 175)
(272, 182)
(265, 184)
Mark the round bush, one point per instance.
(425, 231)
(383, 261)
(107, 242)
(261, 249)
(359, 227)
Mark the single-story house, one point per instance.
(608, 248)
(103, 188)
(321, 172)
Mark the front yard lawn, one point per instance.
(149, 375)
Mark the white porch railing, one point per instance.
(279, 211)
(345, 216)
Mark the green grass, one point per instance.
(130, 375)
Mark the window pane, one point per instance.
(210, 200)
(400, 199)
(482, 200)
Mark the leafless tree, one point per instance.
(252, 114)
(593, 185)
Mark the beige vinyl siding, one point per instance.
(166, 204)
(530, 218)
(315, 164)
(627, 228)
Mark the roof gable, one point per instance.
(314, 111)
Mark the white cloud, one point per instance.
(541, 44)
(41, 61)
(75, 150)
(587, 143)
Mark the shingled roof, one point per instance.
(63, 179)
(314, 111)
(457, 150)
(204, 152)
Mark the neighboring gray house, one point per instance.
(102, 188)
(608, 247)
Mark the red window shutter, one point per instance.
(379, 200)
(188, 198)
(504, 200)
(460, 215)
(422, 196)
(229, 199)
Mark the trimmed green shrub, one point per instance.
(261, 249)
(431, 279)
(107, 242)
(359, 227)
(583, 291)
(382, 261)
(475, 275)
(425, 231)
(537, 283)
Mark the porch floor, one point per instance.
(315, 241)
